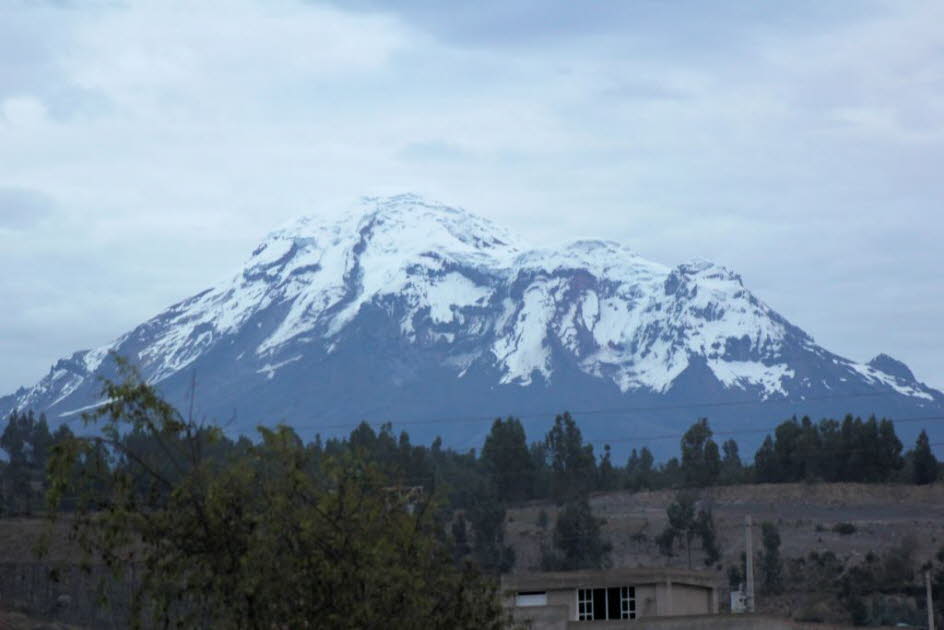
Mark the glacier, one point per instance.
(405, 309)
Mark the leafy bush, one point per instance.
(266, 537)
(844, 529)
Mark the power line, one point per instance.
(599, 411)
(679, 436)
(732, 432)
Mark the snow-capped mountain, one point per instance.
(412, 311)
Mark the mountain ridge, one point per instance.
(437, 299)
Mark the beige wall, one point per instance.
(663, 599)
(652, 600)
(646, 601)
(690, 600)
(704, 622)
(681, 599)
(566, 598)
(542, 617)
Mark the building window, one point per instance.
(585, 604)
(533, 598)
(627, 602)
(615, 602)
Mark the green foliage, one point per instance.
(937, 583)
(685, 525)
(152, 478)
(819, 571)
(766, 469)
(276, 534)
(487, 518)
(507, 461)
(854, 450)
(640, 472)
(230, 530)
(844, 529)
(578, 540)
(572, 464)
(858, 610)
(460, 539)
(607, 477)
(701, 461)
(865, 587)
(898, 563)
(732, 470)
(27, 442)
(924, 464)
(771, 563)
(705, 527)
(670, 475)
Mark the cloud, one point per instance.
(21, 208)
(214, 54)
(797, 144)
(431, 150)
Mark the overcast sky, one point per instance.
(145, 147)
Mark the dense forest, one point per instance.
(214, 519)
(509, 468)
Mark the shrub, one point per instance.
(844, 529)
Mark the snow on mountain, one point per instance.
(427, 289)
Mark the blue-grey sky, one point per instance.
(146, 146)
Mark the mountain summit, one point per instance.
(412, 311)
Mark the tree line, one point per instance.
(559, 467)
(149, 476)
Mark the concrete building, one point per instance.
(577, 599)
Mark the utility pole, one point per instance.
(749, 566)
(927, 586)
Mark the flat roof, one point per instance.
(559, 580)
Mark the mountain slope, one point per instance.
(408, 310)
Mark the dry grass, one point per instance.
(883, 515)
(19, 621)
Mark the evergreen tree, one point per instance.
(810, 447)
(831, 450)
(925, 464)
(708, 533)
(669, 475)
(765, 463)
(771, 564)
(16, 473)
(850, 454)
(853, 450)
(889, 451)
(607, 473)
(487, 518)
(26, 440)
(701, 461)
(790, 462)
(632, 465)
(639, 470)
(507, 461)
(538, 455)
(732, 471)
(460, 539)
(572, 463)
